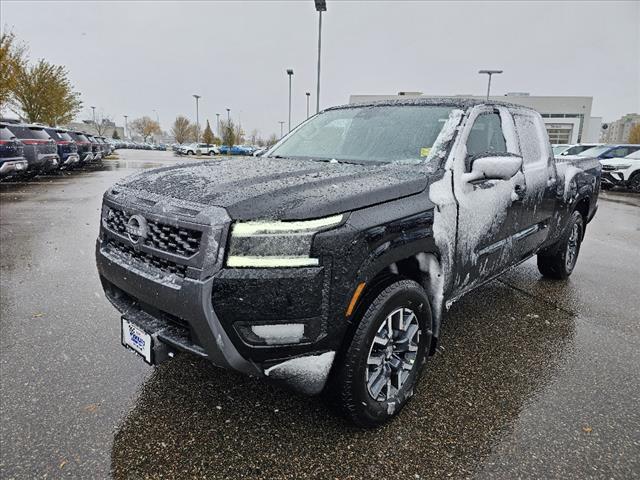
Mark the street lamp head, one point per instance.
(307, 94)
(490, 72)
(289, 71)
(196, 96)
(321, 5)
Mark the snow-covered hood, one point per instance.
(287, 189)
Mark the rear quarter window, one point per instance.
(5, 134)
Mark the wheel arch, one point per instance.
(422, 266)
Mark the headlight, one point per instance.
(264, 244)
(621, 167)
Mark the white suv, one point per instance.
(623, 171)
(199, 149)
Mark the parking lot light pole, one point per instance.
(321, 6)
(281, 122)
(197, 97)
(93, 109)
(489, 72)
(308, 96)
(126, 128)
(218, 124)
(290, 73)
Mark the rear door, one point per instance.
(536, 203)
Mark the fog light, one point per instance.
(280, 334)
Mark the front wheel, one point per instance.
(634, 183)
(559, 260)
(382, 364)
(190, 152)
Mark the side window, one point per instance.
(616, 152)
(530, 140)
(486, 136)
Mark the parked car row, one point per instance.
(118, 144)
(32, 149)
(208, 149)
(620, 162)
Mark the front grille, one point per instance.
(143, 260)
(176, 240)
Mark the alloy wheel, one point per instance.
(392, 354)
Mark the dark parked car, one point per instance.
(67, 148)
(96, 147)
(85, 148)
(12, 161)
(105, 146)
(327, 265)
(40, 149)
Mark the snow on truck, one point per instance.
(328, 263)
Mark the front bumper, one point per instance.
(176, 316)
(613, 178)
(209, 311)
(12, 167)
(70, 159)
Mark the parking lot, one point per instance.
(535, 378)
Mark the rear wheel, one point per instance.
(382, 364)
(559, 260)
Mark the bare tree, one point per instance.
(182, 129)
(102, 124)
(238, 134)
(273, 139)
(145, 127)
(254, 136)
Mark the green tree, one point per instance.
(145, 127)
(43, 93)
(634, 134)
(12, 60)
(207, 136)
(115, 135)
(228, 129)
(182, 129)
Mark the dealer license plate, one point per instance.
(136, 339)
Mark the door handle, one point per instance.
(519, 191)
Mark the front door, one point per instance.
(487, 209)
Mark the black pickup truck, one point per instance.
(327, 264)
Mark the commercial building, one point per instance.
(107, 128)
(619, 131)
(568, 119)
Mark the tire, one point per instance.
(211, 153)
(189, 152)
(366, 392)
(559, 260)
(634, 183)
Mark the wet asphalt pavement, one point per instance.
(536, 378)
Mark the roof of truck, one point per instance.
(460, 102)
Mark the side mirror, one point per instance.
(499, 167)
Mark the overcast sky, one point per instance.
(131, 58)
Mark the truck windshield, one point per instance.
(367, 134)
